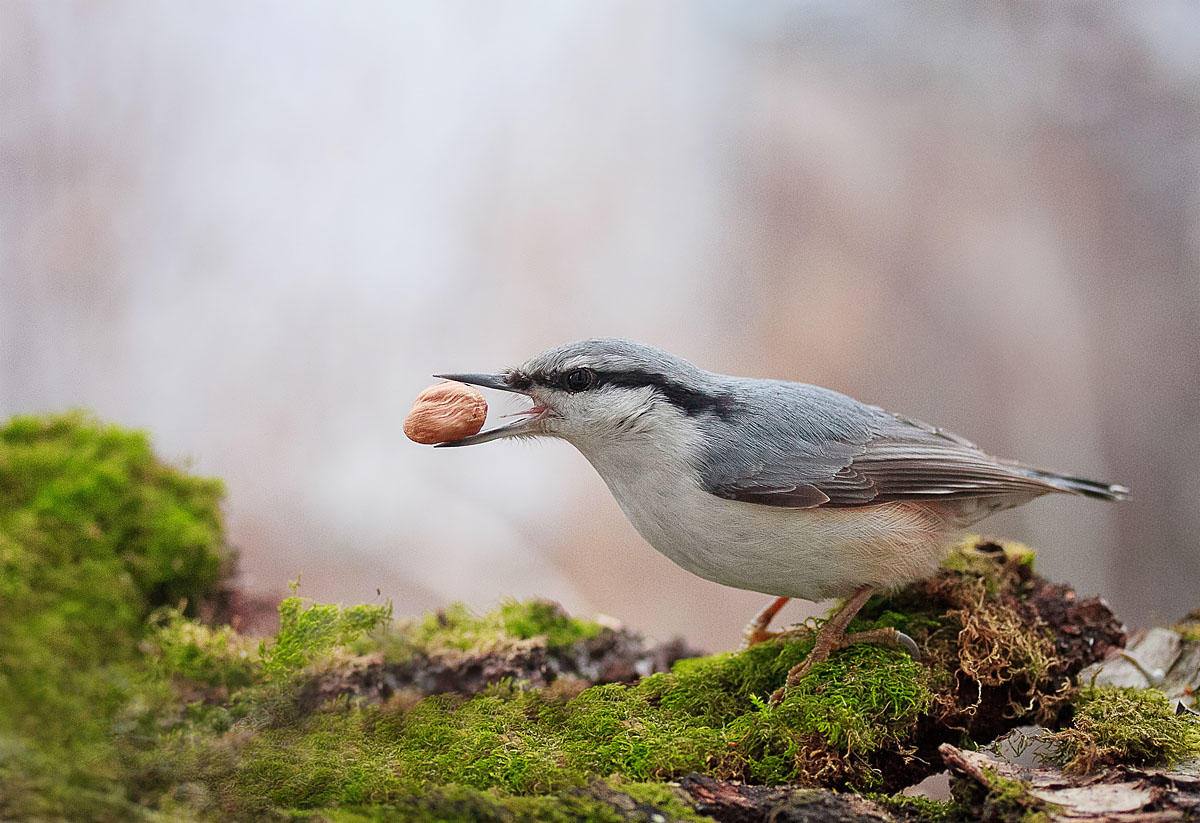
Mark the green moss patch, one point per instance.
(600, 802)
(922, 809)
(850, 721)
(95, 534)
(708, 715)
(998, 799)
(1124, 725)
(864, 699)
(205, 655)
(976, 619)
(457, 627)
(309, 631)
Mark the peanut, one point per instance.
(447, 411)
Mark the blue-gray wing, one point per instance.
(801, 446)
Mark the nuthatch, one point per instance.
(781, 488)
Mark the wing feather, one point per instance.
(822, 449)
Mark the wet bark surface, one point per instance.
(729, 802)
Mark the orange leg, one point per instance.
(756, 630)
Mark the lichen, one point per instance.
(1123, 725)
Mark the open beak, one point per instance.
(495, 381)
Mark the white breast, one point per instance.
(806, 553)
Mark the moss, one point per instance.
(517, 742)
(616, 729)
(866, 698)
(660, 796)
(708, 715)
(1123, 725)
(457, 627)
(347, 755)
(95, 533)
(972, 619)
(455, 804)
(995, 642)
(861, 700)
(1003, 800)
(308, 631)
(599, 803)
(218, 657)
(922, 809)
(721, 687)
(978, 556)
(79, 493)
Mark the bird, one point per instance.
(777, 487)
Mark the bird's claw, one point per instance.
(754, 636)
(888, 636)
(909, 645)
(757, 630)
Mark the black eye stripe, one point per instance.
(688, 400)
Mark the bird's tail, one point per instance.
(1079, 485)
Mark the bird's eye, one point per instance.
(578, 380)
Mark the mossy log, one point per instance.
(1002, 647)
(613, 655)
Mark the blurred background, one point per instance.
(257, 229)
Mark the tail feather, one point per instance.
(1080, 485)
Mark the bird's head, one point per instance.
(598, 392)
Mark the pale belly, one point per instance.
(807, 553)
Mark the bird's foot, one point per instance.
(752, 637)
(887, 636)
(828, 642)
(756, 630)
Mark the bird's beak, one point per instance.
(495, 381)
(488, 381)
